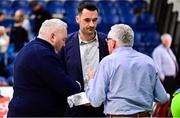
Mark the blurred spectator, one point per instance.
(39, 15)
(175, 105)
(1, 17)
(25, 24)
(166, 63)
(18, 34)
(3, 82)
(4, 40)
(4, 43)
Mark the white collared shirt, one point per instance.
(89, 51)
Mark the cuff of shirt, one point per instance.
(79, 85)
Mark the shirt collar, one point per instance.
(82, 42)
(122, 49)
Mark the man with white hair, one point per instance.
(126, 81)
(166, 63)
(41, 85)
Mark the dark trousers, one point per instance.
(85, 111)
(169, 84)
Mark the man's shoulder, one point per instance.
(101, 35)
(158, 48)
(72, 35)
(144, 56)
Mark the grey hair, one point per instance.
(51, 25)
(166, 35)
(123, 33)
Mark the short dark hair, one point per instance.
(87, 5)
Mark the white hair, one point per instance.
(166, 35)
(52, 25)
(123, 33)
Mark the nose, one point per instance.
(91, 24)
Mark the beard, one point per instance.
(90, 31)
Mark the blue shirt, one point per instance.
(127, 82)
(165, 61)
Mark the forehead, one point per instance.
(167, 38)
(89, 14)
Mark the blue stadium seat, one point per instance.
(152, 38)
(55, 7)
(21, 4)
(7, 11)
(128, 18)
(105, 4)
(146, 21)
(138, 38)
(8, 22)
(71, 9)
(5, 4)
(139, 4)
(110, 19)
(122, 3)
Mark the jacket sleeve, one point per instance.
(53, 74)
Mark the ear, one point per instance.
(111, 45)
(77, 19)
(52, 38)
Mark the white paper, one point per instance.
(77, 99)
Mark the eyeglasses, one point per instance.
(111, 40)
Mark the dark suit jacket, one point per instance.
(41, 85)
(72, 59)
(71, 55)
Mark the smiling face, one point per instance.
(87, 21)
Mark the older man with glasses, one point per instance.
(126, 80)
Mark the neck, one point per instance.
(44, 38)
(87, 37)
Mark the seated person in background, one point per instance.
(4, 40)
(126, 81)
(2, 17)
(25, 23)
(18, 35)
(4, 43)
(175, 104)
(39, 15)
